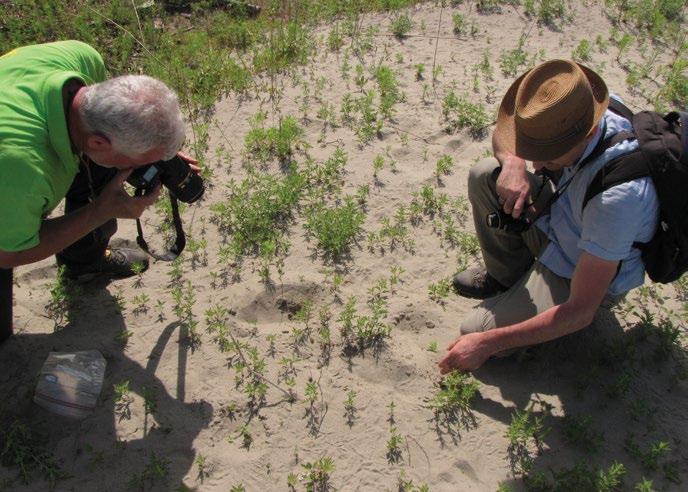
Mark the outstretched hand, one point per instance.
(466, 353)
(115, 202)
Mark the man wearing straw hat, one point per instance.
(546, 280)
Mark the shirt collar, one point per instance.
(58, 131)
(601, 130)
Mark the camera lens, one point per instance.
(181, 180)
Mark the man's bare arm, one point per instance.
(589, 285)
(55, 235)
(58, 233)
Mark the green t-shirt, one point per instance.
(37, 164)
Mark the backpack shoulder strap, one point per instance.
(620, 108)
(682, 118)
(620, 170)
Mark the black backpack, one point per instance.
(662, 154)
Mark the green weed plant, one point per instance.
(451, 403)
(335, 228)
(460, 113)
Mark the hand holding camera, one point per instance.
(177, 175)
(513, 186)
(506, 222)
(115, 202)
(180, 176)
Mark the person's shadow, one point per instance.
(155, 456)
(614, 394)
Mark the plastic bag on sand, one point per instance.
(70, 382)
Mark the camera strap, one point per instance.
(176, 249)
(599, 149)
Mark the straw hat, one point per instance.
(550, 109)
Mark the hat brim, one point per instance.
(506, 135)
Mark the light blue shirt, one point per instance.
(611, 222)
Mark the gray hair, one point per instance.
(136, 112)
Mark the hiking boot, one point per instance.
(476, 283)
(117, 263)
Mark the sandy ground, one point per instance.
(194, 387)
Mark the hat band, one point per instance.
(540, 142)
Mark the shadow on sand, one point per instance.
(614, 390)
(83, 447)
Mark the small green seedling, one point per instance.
(406, 484)
(138, 267)
(317, 474)
(96, 457)
(401, 26)
(155, 471)
(390, 418)
(577, 431)
(440, 291)
(150, 404)
(203, 467)
(394, 444)
(123, 336)
(454, 396)
(644, 485)
(378, 164)
(311, 392)
(459, 113)
(350, 408)
(63, 297)
(525, 427)
(122, 400)
(21, 449)
(444, 166)
(651, 457)
(292, 482)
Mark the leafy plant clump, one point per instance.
(326, 178)
(279, 141)
(64, 294)
(154, 473)
(401, 26)
(459, 113)
(360, 332)
(579, 477)
(389, 90)
(525, 429)
(256, 214)
(335, 228)
(21, 449)
(453, 399)
(547, 12)
(578, 431)
(316, 475)
(444, 166)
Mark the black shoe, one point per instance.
(477, 284)
(117, 263)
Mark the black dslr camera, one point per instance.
(184, 185)
(175, 175)
(504, 221)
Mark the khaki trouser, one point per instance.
(510, 257)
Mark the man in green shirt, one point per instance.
(66, 132)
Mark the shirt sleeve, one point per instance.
(83, 58)
(22, 206)
(616, 218)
